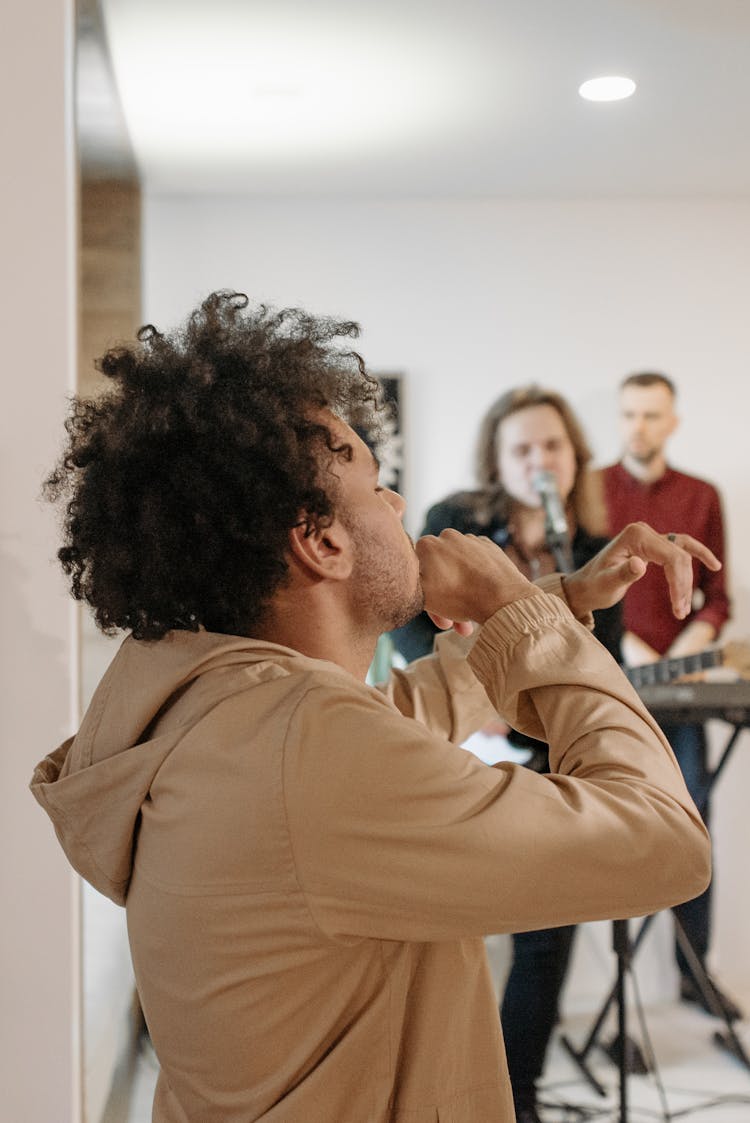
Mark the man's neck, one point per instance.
(319, 634)
(647, 471)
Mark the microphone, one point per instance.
(555, 520)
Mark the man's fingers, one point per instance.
(644, 541)
(461, 627)
(696, 550)
(618, 578)
(680, 598)
(675, 552)
(678, 571)
(466, 577)
(441, 622)
(633, 569)
(607, 577)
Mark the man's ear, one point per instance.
(324, 552)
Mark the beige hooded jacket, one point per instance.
(308, 864)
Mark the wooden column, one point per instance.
(110, 272)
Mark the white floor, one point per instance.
(693, 1079)
(700, 1080)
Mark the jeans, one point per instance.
(529, 1008)
(689, 745)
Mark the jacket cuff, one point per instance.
(500, 634)
(554, 583)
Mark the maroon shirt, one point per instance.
(674, 502)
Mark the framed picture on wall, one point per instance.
(389, 448)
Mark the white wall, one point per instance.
(39, 1011)
(470, 298)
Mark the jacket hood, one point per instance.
(93, 785)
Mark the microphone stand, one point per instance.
(558, 542)
(622, 948)
(559, 546)
(556, 532)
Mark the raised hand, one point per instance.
(466, 578)
(607, 577)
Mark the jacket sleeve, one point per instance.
(442, 691)
(398, 834)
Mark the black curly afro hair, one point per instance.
(183, 480)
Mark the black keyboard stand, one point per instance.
(626, 1053)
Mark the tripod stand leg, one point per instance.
(621, 945)
(627, 1050)
(579, 1055)
(622, 1051)
(580, 1059)
(703, 981)
(634, 1058)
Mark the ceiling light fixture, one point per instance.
(607, 89)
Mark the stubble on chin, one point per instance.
(410, 609)
(406, 603)
(646, 457)
(388, 587)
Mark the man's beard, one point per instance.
(383, 587)
(409, 609)
(646, 457)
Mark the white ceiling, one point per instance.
(434, 97)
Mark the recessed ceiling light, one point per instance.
(607, 89)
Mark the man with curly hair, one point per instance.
(308, 863)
